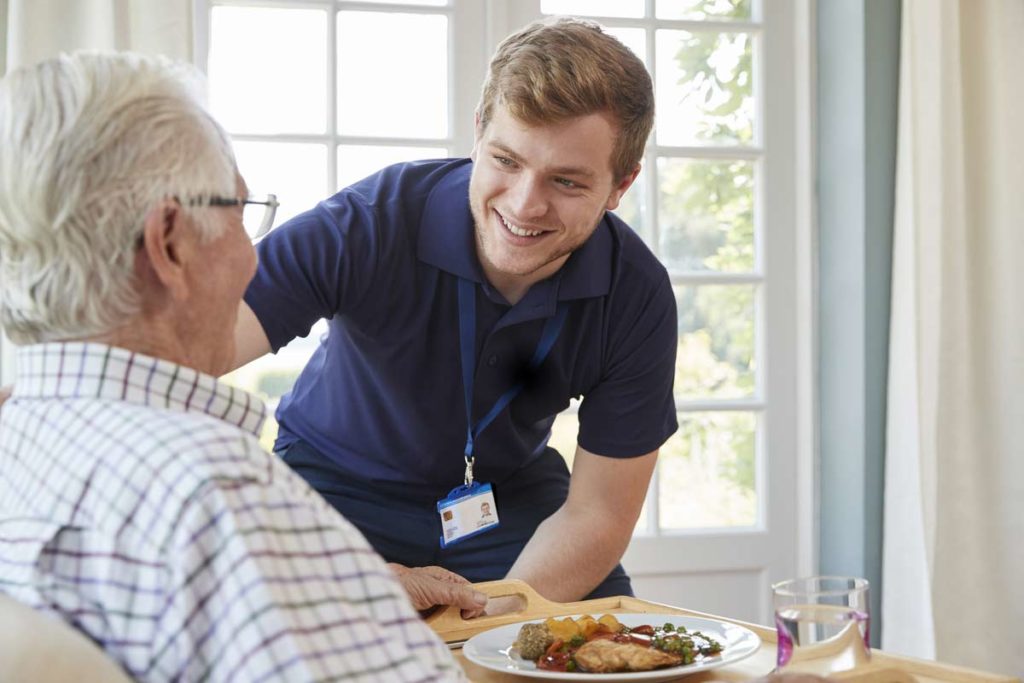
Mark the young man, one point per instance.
(135, 500)
(469, 300)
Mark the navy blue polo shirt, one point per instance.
(382, 396)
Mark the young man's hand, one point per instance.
(431, 586)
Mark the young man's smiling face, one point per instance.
(538, 192)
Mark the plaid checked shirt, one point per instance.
(137, 504)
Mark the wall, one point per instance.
(858, 69)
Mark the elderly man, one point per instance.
(135, 500)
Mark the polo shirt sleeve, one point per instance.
(316, 265)
(631, 411)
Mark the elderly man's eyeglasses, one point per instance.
(257, 211)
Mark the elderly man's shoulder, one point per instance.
(183, 447)
(187, 467)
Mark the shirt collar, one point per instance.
(446, 241)
(98, 371)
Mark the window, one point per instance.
(695, 204)
(317, 95)
(308, 117)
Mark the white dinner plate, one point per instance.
(490, 649)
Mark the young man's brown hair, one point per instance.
(557, 69)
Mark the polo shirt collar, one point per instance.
(446, 241)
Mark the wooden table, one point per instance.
(883, 668)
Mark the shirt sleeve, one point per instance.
(270, 582)
(314, 266)
(631, 411)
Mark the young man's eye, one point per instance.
(504, 161)
(568, 184)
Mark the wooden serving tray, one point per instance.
(883, 668)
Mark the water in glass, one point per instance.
(823, 625)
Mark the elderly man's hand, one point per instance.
(5, 393)
(431, 586)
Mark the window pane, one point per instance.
(268, 69)
(594, 8)
(273, 375)
(704, 88)
(715, 358)
(633, 38)
(703, 9)
(631, 207)
(564, 434)
(296, 173)
(355, 162)
(393, 74)
(706, 214)
(706, 472)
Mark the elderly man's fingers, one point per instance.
(466, 597)
(442, 574)
(425, 591)
(496, 606)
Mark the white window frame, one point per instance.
(467, 61)
(784, 267)
(784, 301)
(786, 315)
(786, 321)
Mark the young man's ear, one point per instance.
(164, 248)
(620, 189)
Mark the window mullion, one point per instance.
(332, 100)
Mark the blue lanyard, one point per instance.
(467, 342)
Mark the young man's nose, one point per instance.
(529, 199)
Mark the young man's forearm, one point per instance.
(573, 551)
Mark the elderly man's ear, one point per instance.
(169, 241)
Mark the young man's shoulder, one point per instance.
(635, 264)
(378, 213)
(401, 186)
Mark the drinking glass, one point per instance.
(823, 624)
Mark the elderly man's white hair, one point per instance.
(89, 143)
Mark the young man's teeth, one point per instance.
(516, 230)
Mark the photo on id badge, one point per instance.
(466, 512)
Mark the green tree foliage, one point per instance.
(707, 224)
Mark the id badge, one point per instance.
(466, 512)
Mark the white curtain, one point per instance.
(39, 29)
(953, 574)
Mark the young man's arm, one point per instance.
(574, 549)
(250, 340)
